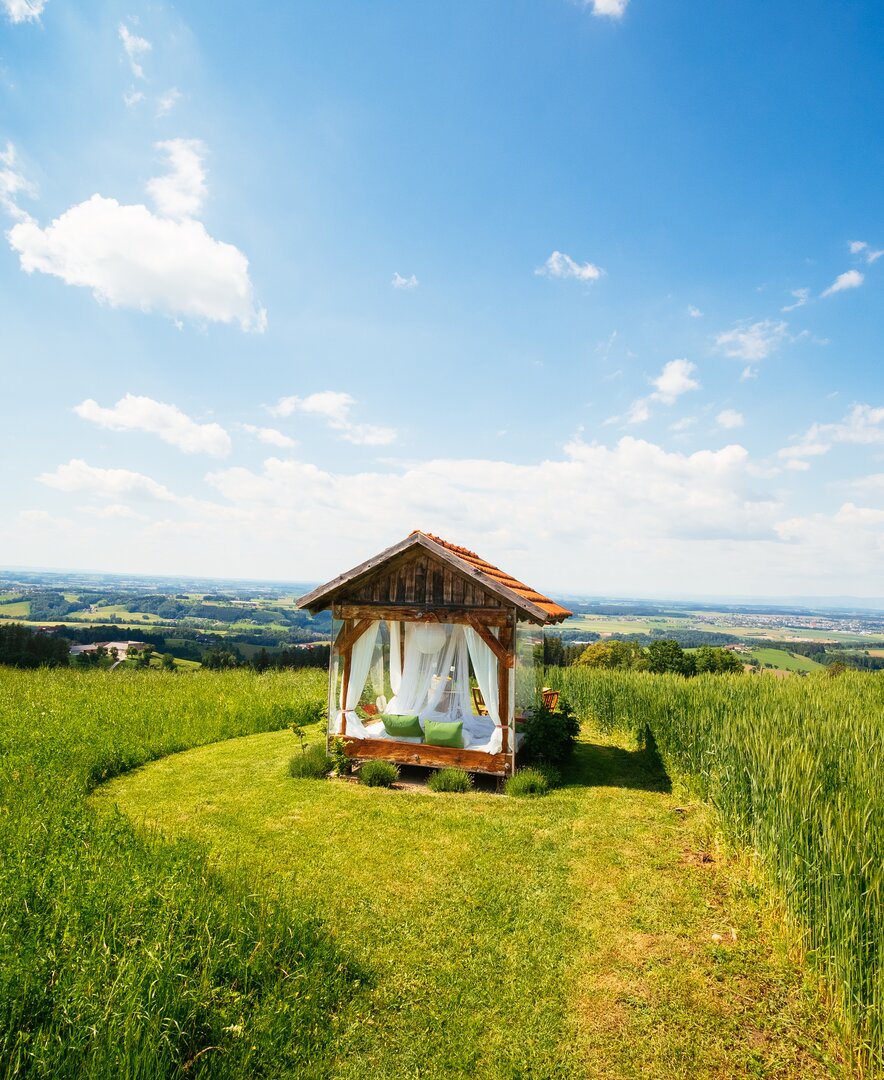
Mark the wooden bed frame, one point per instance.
(437, 757)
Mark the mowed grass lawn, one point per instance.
(596, 932)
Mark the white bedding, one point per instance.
(478, 732)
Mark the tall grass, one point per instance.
(795, 769)
(127, 955)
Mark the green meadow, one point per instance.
(173, 903)
(783, 660)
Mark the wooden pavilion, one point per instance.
(431, 630)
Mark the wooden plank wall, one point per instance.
(421, 580)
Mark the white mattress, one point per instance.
(478, 732)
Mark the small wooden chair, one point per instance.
(479, 702)
(550, 698)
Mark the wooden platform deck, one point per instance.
(437, 757)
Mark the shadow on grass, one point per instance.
(596, 765)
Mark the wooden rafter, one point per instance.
(348, 635)
(504, 656)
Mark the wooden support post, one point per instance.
(503, 687)
(345, 684)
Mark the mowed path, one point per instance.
(591, 933)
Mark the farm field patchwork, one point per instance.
(783, 660)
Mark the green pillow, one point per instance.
(402, 727)
(438, 733)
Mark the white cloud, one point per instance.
(628, 493)
(400, 282)
(639, 412)
(134, 47)
(612, 8)
(134, 413)
(850, 279)
(13, 184)
(131, 257)
(873, 484)
(694, 312)
(851, 514)
(683, 424)
(860, 247)
(334, 407)
(115, 484)
(19, 11)
(559, 265)
(114, 511)
(167, 102)
(269, 436)
(862, 426)
(754, 342)
(673, 381)
(629, 517)
(181, 191)
(804, 450)
(133, 97)
(730, 418)
(801, 298)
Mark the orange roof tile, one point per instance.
(555, 611)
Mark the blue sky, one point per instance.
(593, 288)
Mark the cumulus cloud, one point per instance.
(850, 279)
(13, 184)
(851, 514)
(634, 489)
(168, 422)
(131, 257)
(334, 408)
(694, 312)
(400, 282)
(114, 484)
(269, 436)
(863, 425)
(730, 418)
(134, 47)
(559, 265)
(614, 9)
(180, 192)
(19, 11)
(674, 380)
(753, 342)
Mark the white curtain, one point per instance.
(435, 679)
(360, 662)
(395, 656)
(485, 666)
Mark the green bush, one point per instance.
(456, 780)
(379, 774)
(527, 782)
(550, 735)
(311, 764)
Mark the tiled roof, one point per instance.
(554, 611)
